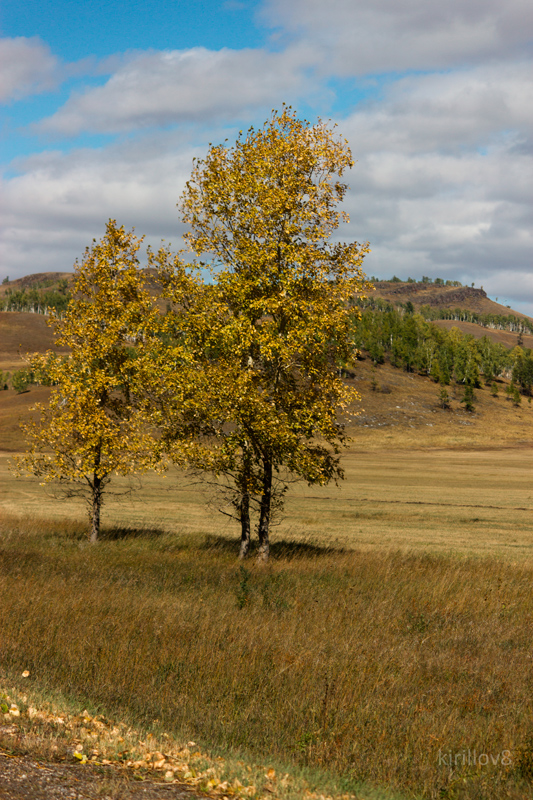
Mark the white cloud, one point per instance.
(26, 67)
(359, 37)
(161, 88)
(60, 202)
(442, 183)
(450, 111)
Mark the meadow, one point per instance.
(438, 500)
(389, 635)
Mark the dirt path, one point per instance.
(25, 778)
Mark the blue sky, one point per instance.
(79, 29)
(105, 105)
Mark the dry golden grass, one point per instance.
(22, 333)
(416, 477)
(405, 413)
(469, 502)
(506, 338)
(367, 666)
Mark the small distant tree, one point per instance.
(376, 351)
(94, 426)
(20, 380)
(444, 398)
(494, 389)
(468, 398)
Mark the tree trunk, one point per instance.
(245, 524)
(96, 505)
(264, 516)
(245, 500)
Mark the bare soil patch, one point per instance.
(507, 338)
(25, 778)
(21, 333)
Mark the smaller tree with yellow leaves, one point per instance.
(95, 424)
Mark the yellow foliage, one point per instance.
(95, 424)
(274, 327)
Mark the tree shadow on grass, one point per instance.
(282, 549)
(119, 532)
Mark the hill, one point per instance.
(40, 280)
(471, 311)
(21, 333)
(442, 296)
(401, 408)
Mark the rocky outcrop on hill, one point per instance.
(455, 297)
(443, 293)
(40, 279)
(431, 294)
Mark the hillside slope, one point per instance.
(22, 333)
(40, 280)
(403, 411)
(438, 296)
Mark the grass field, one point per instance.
(476, 502)
(392, 625)
(373, 667)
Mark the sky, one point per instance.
(105, 105)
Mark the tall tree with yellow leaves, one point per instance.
(95, 424)
(263, 211)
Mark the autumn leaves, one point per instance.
(238, 376)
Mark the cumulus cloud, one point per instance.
(441, 186)
(359, 37)
(444, 168)
(59, 202)
(443, 175)
(26, 67)
(161, 88)
(450, 111)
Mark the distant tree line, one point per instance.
(424, 279)
(20, 380)
(500, 322)
(38, 299)
(412, 343)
